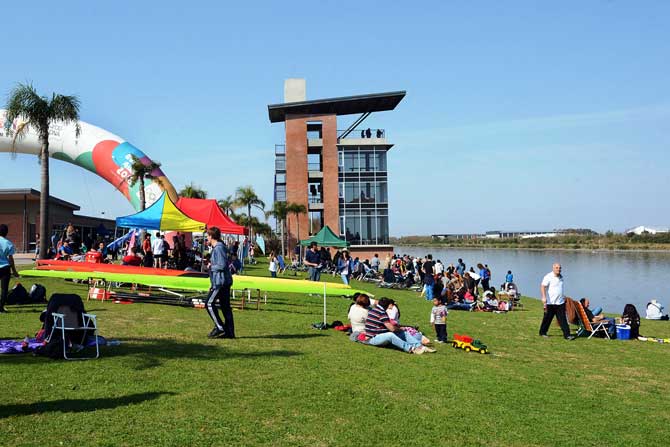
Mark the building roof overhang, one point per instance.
(346, 105)
(32, 195)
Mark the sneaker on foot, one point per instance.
(544, 335)
(419, 350)
(216, 334)
(427, 349)
(570, 337)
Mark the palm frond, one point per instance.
(19, 133)
(65, 109)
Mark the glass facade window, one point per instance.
(280, 193)
(314, 162)
(380, 161)
(363, 195)
(350, 162)
(315, 222)
(364, 192)
(362, 159)
(367, 227)
(280, 177)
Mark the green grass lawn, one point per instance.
(282, 383)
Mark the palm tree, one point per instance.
(279, 211)
(227, 205)
(193, 192)
(245, 196)
(139, 172)
(297, 209)
(39, 112)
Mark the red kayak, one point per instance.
(74, 266)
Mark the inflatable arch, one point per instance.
(96, 150)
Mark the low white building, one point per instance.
(650, 230)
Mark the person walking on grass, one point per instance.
(553, 301)
(7, 267)
(219, 293)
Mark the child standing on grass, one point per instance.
(273, 265)
(438, 318)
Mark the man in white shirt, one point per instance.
(157, 249)
(553, 300)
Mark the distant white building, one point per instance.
(651, 230)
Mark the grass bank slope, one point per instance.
(284, 384)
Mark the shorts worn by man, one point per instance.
(313, 261)
(553, 300)
(7, 267)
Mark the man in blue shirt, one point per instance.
(7, 267)
(460, 267)
(313, 261)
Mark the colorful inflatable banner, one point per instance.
(96, 150)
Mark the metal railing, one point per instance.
(314, 198)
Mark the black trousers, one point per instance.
(219, 299)
(485, 284)
(441, 332)
(559, 311)
(5, 274)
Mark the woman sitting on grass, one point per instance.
(381, 331)
(358, 313)
(632, 319)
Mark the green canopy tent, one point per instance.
(325, 238)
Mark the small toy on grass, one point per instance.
(468, 344)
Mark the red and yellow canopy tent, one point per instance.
(209, 212)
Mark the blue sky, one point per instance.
(518, 116)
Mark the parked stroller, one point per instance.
(512, 291)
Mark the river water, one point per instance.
(608, 279)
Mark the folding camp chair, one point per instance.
(586, 326)
(72, 324)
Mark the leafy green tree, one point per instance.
(192, 191)
(297, 209)
(39, 113)
(139, 172)
(227, 205)
(246, 197)
(279, 211)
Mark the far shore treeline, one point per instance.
(607, 241)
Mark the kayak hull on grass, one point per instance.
(200, 284)
(74, 266)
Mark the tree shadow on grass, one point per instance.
(146, 353)
(296, 312)
(152, 352)
(78, 405)
(285, 336)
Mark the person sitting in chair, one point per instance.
(65, 251)
(596, 315)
